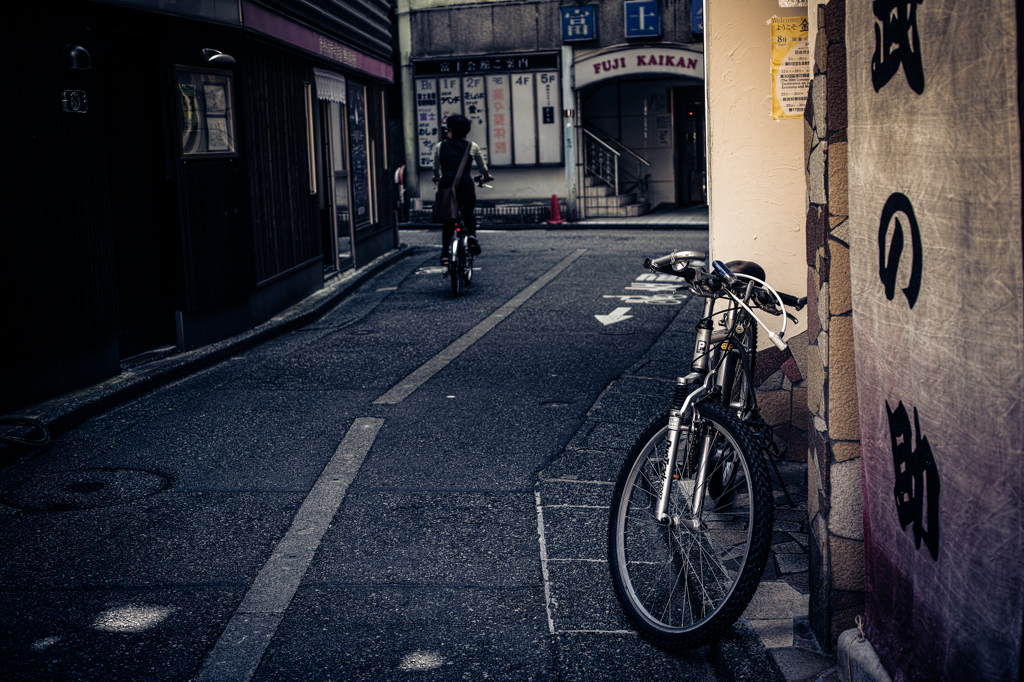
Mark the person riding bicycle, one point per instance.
(447, 157)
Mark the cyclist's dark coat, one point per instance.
(447, 157)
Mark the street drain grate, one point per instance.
(83, 489)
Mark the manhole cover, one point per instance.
(83, 489)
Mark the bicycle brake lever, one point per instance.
(772, 336)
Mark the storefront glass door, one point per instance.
(339, 186)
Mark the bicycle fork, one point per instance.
(677, 429)
(681, 414)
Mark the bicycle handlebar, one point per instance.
(672, 258)
(678, 263)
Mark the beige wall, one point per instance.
(756, 165)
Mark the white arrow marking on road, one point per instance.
(617, 315)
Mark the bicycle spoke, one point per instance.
(681, 578)
(685, 577)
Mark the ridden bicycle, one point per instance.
(461, 252)
(692, 512)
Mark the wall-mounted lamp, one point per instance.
(212, 55)
(77, 58)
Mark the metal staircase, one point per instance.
(613, 179)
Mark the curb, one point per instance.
(565, 226)
(64, 412)
(858, 661)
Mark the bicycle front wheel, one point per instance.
(684, 583)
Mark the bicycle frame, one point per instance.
(691, 518)
(714, 361)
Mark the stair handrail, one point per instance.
(605, 143)
(614, 182)
(606, 146)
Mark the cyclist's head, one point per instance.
(459, 126)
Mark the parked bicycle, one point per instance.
(692, 513)
(461, 251)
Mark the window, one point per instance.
(310, 143)
(207, 120)
(516, 117)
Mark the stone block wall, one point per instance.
(779, 378)
(835, 497)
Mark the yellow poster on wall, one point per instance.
(791, 67)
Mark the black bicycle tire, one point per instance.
(738, 369)
(455, 267)
(743, 588)
(467, 273)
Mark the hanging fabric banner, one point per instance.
(936, 273)
(330, 86)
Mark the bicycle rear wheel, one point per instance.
(738, 393)
(456, 256)
(467, 272)
(683, 588)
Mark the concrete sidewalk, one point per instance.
(64, 412)
(778, 612)
(491, 218)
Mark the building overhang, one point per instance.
(262, 20)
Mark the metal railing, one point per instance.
(610, 163)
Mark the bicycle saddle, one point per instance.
(746, 267)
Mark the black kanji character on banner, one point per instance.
(888, 268)
(917, 479)
(897, 42)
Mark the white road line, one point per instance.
(575, 480)
(544, 562)
(577, 506)
(404, 388)
(247, 635)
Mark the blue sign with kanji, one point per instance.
(643, 18)
(579, 23)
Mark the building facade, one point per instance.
(930, 101)
(895, 195)
(600, 104)
(184, 171)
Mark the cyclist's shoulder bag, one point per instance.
(446, 205)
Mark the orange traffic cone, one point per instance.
(556, 212)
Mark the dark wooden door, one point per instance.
(691, 159)
(129, 77)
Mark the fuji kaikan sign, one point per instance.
(641, 61)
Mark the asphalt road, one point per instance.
(414, 486)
